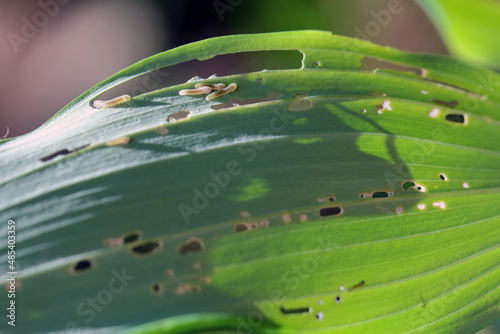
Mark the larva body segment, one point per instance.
(118, 141)
(98, 104)
(228, 90)
(219, 86)
(198, 91)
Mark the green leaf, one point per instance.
(469, 28)
(358, 193)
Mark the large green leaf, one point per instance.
(325, 199)
(469, 28)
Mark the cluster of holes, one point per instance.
(62, 152)
(377, 194)
(191, 245)
(243, 227)
(329, 198)
(147, 248)
(331, 211)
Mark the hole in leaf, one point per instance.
(332, 211)
(299, 310)
(373, 64)
(407, 185)
(286, 218)
(147, 248)
(443, 177)
(358, 285)
(191, 245)
(157, 289)
(179, 116)
(380, 194)
(456, 118)
(337, 299)
(62, 152)
(302, 105)
(316, 64)
(131, 237)
(81, 266)
(242, 227)
(319, 316)
(450, 104)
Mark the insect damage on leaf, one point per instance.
(98, 104)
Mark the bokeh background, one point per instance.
(52, 51)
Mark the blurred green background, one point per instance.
(52, 51)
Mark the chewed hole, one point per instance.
(380, 194)
(157, 289)
(260, 80)
(456, 118)
(286, 218)
(465, 185)
(301, 105)
(330, 198)
(242, 227)
(298, 310)
(131, 237)
(319, 316)
(443, 177)
(338, 299)
(179, 116)
(147, 248)
(407, 185)
(332, 211)
(81, 266)
(399, 210)
(191, 245)
(186, 287)
(450, 104)
(264, 223)
(364, 195)
(316, 64)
